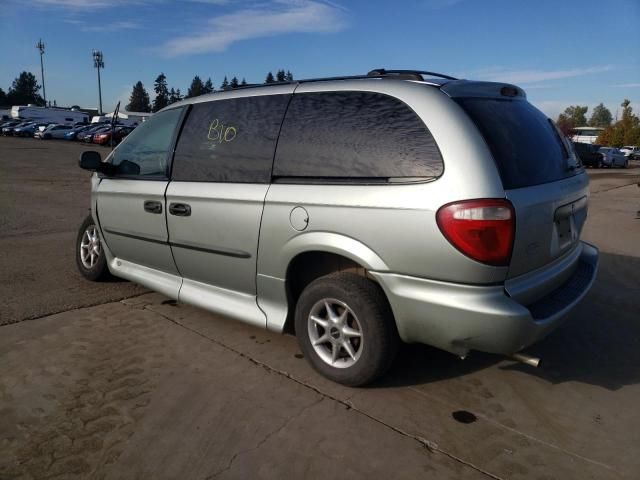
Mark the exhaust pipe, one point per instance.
(527, 359)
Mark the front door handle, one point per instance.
(152, 206)
(180, 209)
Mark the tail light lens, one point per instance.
(481, 229)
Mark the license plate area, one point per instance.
(566, 232)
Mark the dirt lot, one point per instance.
(144, 388)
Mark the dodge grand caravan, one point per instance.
(356, 212)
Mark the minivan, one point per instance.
(355, 212)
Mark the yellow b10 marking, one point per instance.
(218, 132)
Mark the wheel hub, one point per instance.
(335, 333)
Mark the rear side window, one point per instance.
(349, 135)
(525, 144)
(230, 140)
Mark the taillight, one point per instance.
(481, 229)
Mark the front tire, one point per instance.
(90, 257)
(345, 328)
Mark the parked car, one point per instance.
(87, 135)
(88, 138)
(53, 131)
(612, 157)
(7, 130)
(397, 205)
(589, 154)
(28, 130)
(631, 151)
(104, 138)
(72, 134)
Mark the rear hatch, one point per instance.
(539, 170)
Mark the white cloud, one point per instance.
(526, 76)
(627, 85)
(277, 18)
(110, 27)
(79, 4)
(438, 4)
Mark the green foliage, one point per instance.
(281, 76)
(208, 86)
(3, 97)
(225, 84)
(174, 96)
(139, 100)
(625, 131)
(234, 83)
(573, 116)
(196, 88)
(24, 90)
(289, 76)
(162, 93)
(601, 116)
(243, 82)
(270, 78)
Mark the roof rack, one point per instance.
(413, 74)
(377, 73)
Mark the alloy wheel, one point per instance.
(335, 333)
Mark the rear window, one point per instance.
(354, 135)
(525, 144)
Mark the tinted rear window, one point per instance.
(525, 144)
(351, 135)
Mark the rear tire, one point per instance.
(90, 257)
(350, 322)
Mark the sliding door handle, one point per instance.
(180, 209)
(152, 207)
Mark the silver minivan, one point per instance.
(357, 212)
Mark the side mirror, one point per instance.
(90, 161)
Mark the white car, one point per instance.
(53, 131)
(612, 157)
(631, 151)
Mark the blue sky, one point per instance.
(561, 52)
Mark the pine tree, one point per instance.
(289, 76)
(601, 116)
(281, 76)
(196, 88)
(270, 78)
(243, 82)
(139, 100)
(3, 97)
(24, 90)
(234, 83)
(208, 86)
(162, 93)
(225, 84)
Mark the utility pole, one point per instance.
(98, 63)
(40, 46)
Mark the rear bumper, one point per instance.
(459, 318)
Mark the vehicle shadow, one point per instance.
(598, 345)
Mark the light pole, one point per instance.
(40, 46)
(98, 63)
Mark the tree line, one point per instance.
(618, 133)
(139, 100)
(23, 90)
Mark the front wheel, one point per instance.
(90, 257)
(345, 328)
